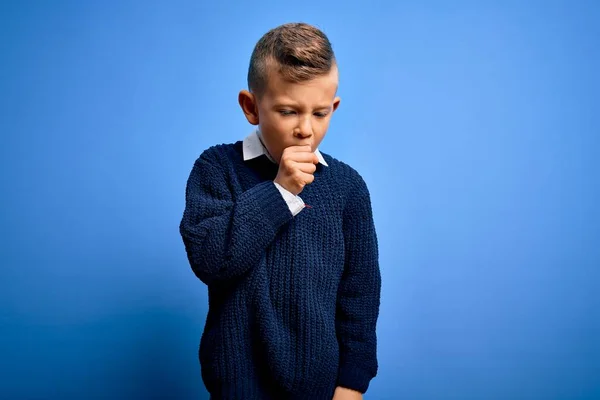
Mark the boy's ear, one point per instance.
(336, 103)
(249, 107)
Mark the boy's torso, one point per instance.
(287, 303)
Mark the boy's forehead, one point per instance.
(321, 88)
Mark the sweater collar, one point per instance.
(253, 147)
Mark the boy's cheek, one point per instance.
(276, 137)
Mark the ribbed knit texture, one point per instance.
(293, 301)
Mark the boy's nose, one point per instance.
(304, 130)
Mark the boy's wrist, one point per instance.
(343, 393)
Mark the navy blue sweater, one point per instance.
(293, 301)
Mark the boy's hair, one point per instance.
(299, 52)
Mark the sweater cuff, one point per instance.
(353, 377)
(273, 206)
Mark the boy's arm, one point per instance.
(223, 238)
(358, 294)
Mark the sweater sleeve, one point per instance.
(224, 238)
(358, 294)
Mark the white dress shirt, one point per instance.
(253, 147)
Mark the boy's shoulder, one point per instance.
(353, 188)
(344, 172)
(222, 153)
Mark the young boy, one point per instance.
(283, 237)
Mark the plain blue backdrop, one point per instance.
(475, 124)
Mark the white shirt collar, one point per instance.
(253, 147)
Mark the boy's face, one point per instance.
(292, 113)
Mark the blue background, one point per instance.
(475, 124)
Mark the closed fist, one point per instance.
(296, 168)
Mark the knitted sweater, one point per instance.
(293, 301)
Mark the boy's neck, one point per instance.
(259, 134)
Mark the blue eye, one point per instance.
(286, 112)
(321, 114)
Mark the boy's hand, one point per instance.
(296, 168)
(342, 393)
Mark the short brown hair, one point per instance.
(299, 51)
